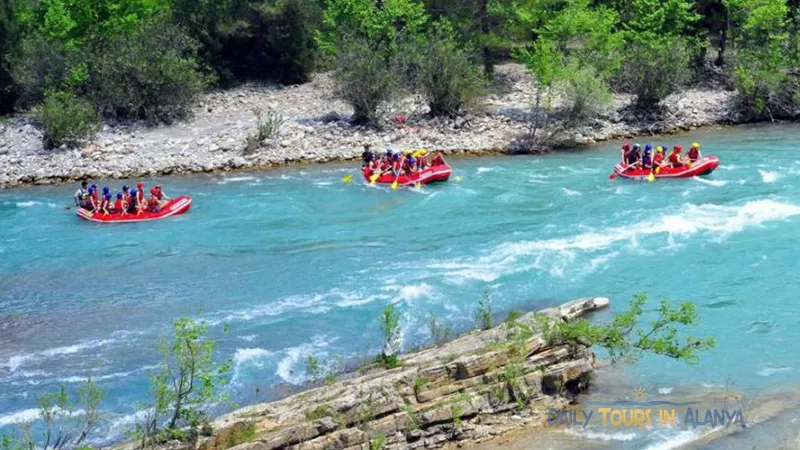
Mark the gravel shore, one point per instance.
(316, 129)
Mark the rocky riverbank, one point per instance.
(316, 129)
(467, 390)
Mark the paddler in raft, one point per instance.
(675, 158)
(694, 152)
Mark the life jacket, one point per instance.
(438, 160)
(658, 158)
(397, 165)
(140, 196)
(118, 204)
(694, 154)
(632, 156)
(647, 161)
(105, 202)
(674, 158)
(152, 203)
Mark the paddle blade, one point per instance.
(418, 186)
(689, 165)
(374, 177)
(394, 185)
(651, 177)
(612, 176)
(458, 179)
(658, 169)
(347, 178)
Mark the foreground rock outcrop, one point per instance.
(316, 129)
(469, 389)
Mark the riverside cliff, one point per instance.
(466, 390)
(316, 129)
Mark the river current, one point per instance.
(297, 263)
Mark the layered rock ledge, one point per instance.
(316, 129)
(466, 390)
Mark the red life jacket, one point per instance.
(658, 158)
(694, 153)
(118, 204)
(674, 158)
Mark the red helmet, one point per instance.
(140, 185)
(154, 191)
(626, 144)
(678, 148)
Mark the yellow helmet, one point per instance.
(695, 145)
(660, 149)
(409, 152)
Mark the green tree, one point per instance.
(149, 73)
(627, 339)
(440, 68)
(185, 383)
(66, 119)
(9, 35)
(66, 421)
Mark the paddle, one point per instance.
(374, 177)
(394, 183)
(347, 178)
(616, 173)
(651, 177)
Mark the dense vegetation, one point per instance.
(147, 60)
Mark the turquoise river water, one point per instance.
(297, 263)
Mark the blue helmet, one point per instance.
(93, 186)
(411, 160)
(107, 195)
(134, 192)
(92, 189)
(396, 156)
(125, 187)
(648, 148)
(106, 190)
(119, 195)
(389, 151)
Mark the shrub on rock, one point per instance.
(67, 120)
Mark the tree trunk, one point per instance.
(483, 19)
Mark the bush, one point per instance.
(586, 91)
(270, 42)
(653, 70)
(39, 65)
(443, 72)
(365, 77)
(67, 120)
(148, 74)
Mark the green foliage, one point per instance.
(513, 316)
(365, 77)
(66, 120)
(625, 339)
(654, 69)
(377, 442)
(149, 73)
(412, 420)
(9, 35)
(442, 71)
(185, 383)
(585, 90)
(66, 422)
(380, 23)
(420, 383)
(269, 39)
(483, 316)
(441, 332)
(312, 368)
(319, 412)
(390, 326)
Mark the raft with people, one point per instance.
(647, 164)
(130, 205)
(410, 168)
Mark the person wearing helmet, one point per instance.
(694, 152)
(623, 153)
(397, 163)
(133, 202)
(153, 203)
(634, 156)
(437, 160)
(365, 156)
(121, 205)
(140, 200)
(105, 201)
(647, 157)
(78, 197)
(92, 199)
(675, 158)
(422, 159)
(658, 159)
(410, 166)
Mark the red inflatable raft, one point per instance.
(429, 175)
(174, 207)
(702, 166)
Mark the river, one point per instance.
(297, 263)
